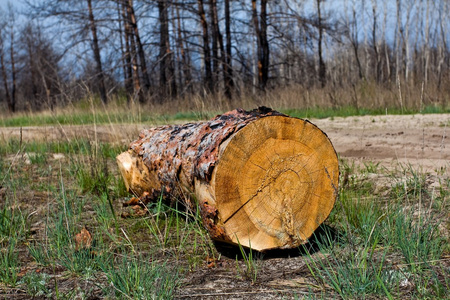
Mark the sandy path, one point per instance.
(420, 140)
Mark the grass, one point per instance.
(391, 244)
(250, 260)
(81, 117)
(386, 248)
(140, 278)
(127, 116)
(366, 98)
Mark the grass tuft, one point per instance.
(140, 278)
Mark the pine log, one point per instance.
(259, 178)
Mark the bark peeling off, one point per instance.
(191, 148)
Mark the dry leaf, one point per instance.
(83, 240)
(139, 211)
(131, 202)
(211, 262)
(142, 200)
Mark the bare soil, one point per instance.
(419, 140)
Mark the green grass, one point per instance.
(386, 248)
(9, 262)
(250, 260)
(13, 231)
(140, 278)
(125, 115)
(347, 111)
(84, 118)
(79, 146)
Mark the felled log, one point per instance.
(259, 178)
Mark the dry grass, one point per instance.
(364, 98)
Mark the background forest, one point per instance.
(302, 53)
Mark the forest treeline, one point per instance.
(54, 52)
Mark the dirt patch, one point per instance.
(421, 141)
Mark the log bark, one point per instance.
(259, 178)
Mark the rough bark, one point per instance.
(259, 178)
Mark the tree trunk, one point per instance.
(263, 44)
(375, 42)
(426, 48)
(167, 70)
(124, 51)
(260, 178)
(397, 48)
(97, 57)
(128, 71)
(322, 67)
(12, 103)
(206, 51)
(140, 48)
(218, 40)
(133, 58)
(32, 62)
(228, 61)
(4, 75)
(185, 83)
(353, 36)
(214, 42)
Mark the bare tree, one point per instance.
(97, 56)
(79, 24)
(228, 58)
(140, 48)
(206, 49)
(132, 54)
(444, 59)
(185, 76)
(167, 69)
(260, 24)
(3, 25)
(125, 49)
(39, 78)
(223, 45)
(7, 31)
(322, 67)
(375, 41)
(398, 38)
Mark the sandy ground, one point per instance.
(422, 141)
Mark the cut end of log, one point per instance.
(135, 174)
(275, 183)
